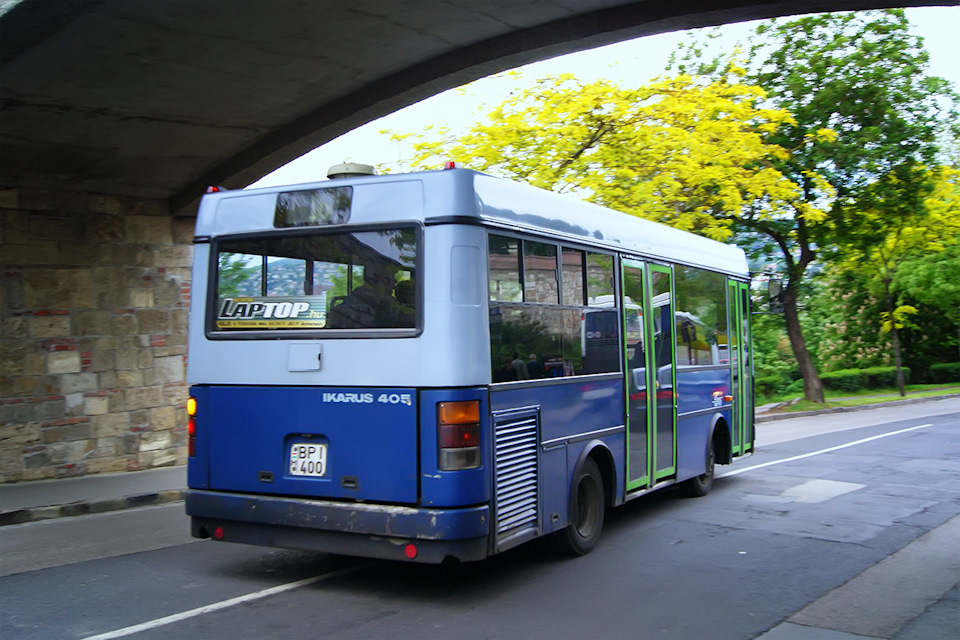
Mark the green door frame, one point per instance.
(644, 480)
(739, 319)
(653, 373)
(746, 369)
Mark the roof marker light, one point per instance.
(449, 164)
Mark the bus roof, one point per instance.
(466, 196)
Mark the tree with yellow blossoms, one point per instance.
(689, 153)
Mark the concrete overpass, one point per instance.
(117, 113)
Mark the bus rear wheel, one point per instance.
(586, 511)
(700, 486)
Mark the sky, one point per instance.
(630, 62)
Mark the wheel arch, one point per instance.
(722, 443)
(600, 453)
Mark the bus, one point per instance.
(440, 366)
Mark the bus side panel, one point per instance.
(452, 488)
(569, 413)
(700, 393)
(370, 435)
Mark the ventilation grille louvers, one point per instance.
(515, 438)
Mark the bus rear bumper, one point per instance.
(357, 529)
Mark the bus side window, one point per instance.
(540, 272)
(599, 279)
(504, 262)
(572, 277)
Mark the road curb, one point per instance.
(863, 407)
(85, 507)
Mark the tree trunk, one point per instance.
(895, 338)
(812, 387)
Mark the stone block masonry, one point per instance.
(93, 348)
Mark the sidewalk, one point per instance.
(45, 499)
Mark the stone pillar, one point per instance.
(93, 349)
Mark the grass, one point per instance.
(864, 396)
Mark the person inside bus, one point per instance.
(520, 367)
(505, 373)
(371, 305)
(535, 369)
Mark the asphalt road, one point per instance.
(776, 547)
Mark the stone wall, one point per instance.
(94, 324)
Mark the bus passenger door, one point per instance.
(663, 371)
(639, 404)
(650, 373)
(746, 369)
(738, 303)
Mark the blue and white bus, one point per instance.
(444, 365)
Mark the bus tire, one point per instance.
(586, 511)
(699, 486)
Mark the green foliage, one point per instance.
(843, 380)
(851, 380)
(681, 150)
(864, 75)
(847, 319)
(767, 386)
(884, 377)
(944, 372)
(773, 361)
(236, 276)
(933, 278)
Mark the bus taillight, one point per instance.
(192, 427)
(458, 435)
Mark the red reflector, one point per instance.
(410, 551)
(459, 435)
(218, 533)
(192, 446)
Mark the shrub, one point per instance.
(844, 380)
(770, 385)
(945, 372)
(881, 377)
(794, 387)
(855, 379)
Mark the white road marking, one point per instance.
(820, 490)
(737, 472)
(224, 604)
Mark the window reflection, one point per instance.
(535, 336)
(701, 317)
(504, 263)
(572, 276)
(540, 272)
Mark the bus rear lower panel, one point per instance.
(376, 531)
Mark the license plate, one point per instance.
(308, 459)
